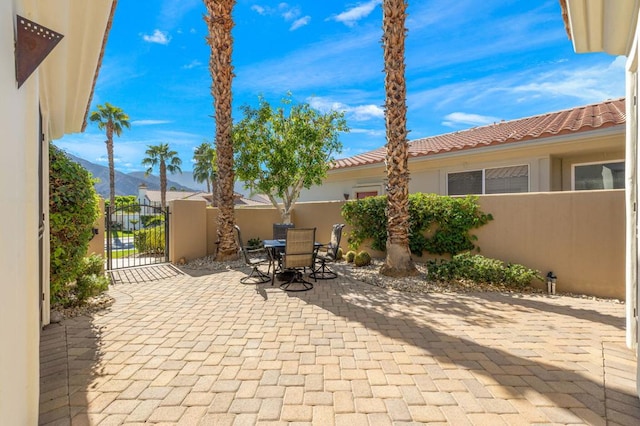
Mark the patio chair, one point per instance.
(328, 254)
(280, 230)
(254, 258)
(299, 254)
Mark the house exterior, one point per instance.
(51, 101)
(612, 27)
(579, 148)
(154, 198)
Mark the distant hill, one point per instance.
(126, 184)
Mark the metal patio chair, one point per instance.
(299, 254)
(328, 254)
(254, 258)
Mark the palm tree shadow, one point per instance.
(508, 357)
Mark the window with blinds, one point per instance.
(498, 180)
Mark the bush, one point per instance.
(152, 220)
(254, 243)
(150, 240)
(339, 254)
(350, 256)
(446, 220)
(73, 209)
(477, 268)
(362, 259)
(92, 281)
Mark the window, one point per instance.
(499, 180)
(365, 194)
(598, 176)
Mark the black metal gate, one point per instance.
(136, 235)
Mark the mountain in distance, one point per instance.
(126, 184)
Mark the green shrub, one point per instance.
(481, 269)
(73, 209)
(90, 285)
(350, 256)
(339, 254)
(254, 243)
(150, 240)
(445, 220)
(152, 220)
(362, 259)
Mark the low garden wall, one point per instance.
(577, 235)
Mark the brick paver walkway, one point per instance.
(208, 350)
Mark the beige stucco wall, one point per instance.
(577, 235)
(187, 229)
(549, 161)
(19, 286)
(545, 231)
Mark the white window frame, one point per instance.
(591, 163)
(484, 169)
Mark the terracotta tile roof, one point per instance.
(576, 120)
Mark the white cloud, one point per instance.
(356, 113)
(159, 37)
(592, 84)
(351, 16)
(289, 14)
(300, 23)
(258, 9)
(457, 118)
(193, 64)
(148, 122)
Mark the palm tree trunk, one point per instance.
(112, 173)
(163, 184)
(398, 261)
(220, 23)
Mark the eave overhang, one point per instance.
(67, 76)
(600, 25)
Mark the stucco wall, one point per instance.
(577, 235)
(187, 229)
(19, 265)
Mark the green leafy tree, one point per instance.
(281, 151)
(166, 160)
(125, 203)
(205, 168)
(112, 120)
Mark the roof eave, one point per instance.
(600, 25)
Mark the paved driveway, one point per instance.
(209, 350)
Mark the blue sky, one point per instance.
(469, 63)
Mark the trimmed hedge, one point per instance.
(150, 240)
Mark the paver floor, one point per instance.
(207, 350)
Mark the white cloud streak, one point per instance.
(356, 113)
(299, 23)
(158, 37)
(455, 119)
(351, 16)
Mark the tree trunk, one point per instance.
(112, 173)
(398, 261)
(163, 184)
(220, 23)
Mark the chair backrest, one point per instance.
(280, 230)
(334, 244)
(245, 256)
(299, 249)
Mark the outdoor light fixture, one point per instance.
(551, 283)
(346, 196)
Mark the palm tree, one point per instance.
(398, 260)
(220, 23)
(205, 168)
(167, 160)
(112, 119)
